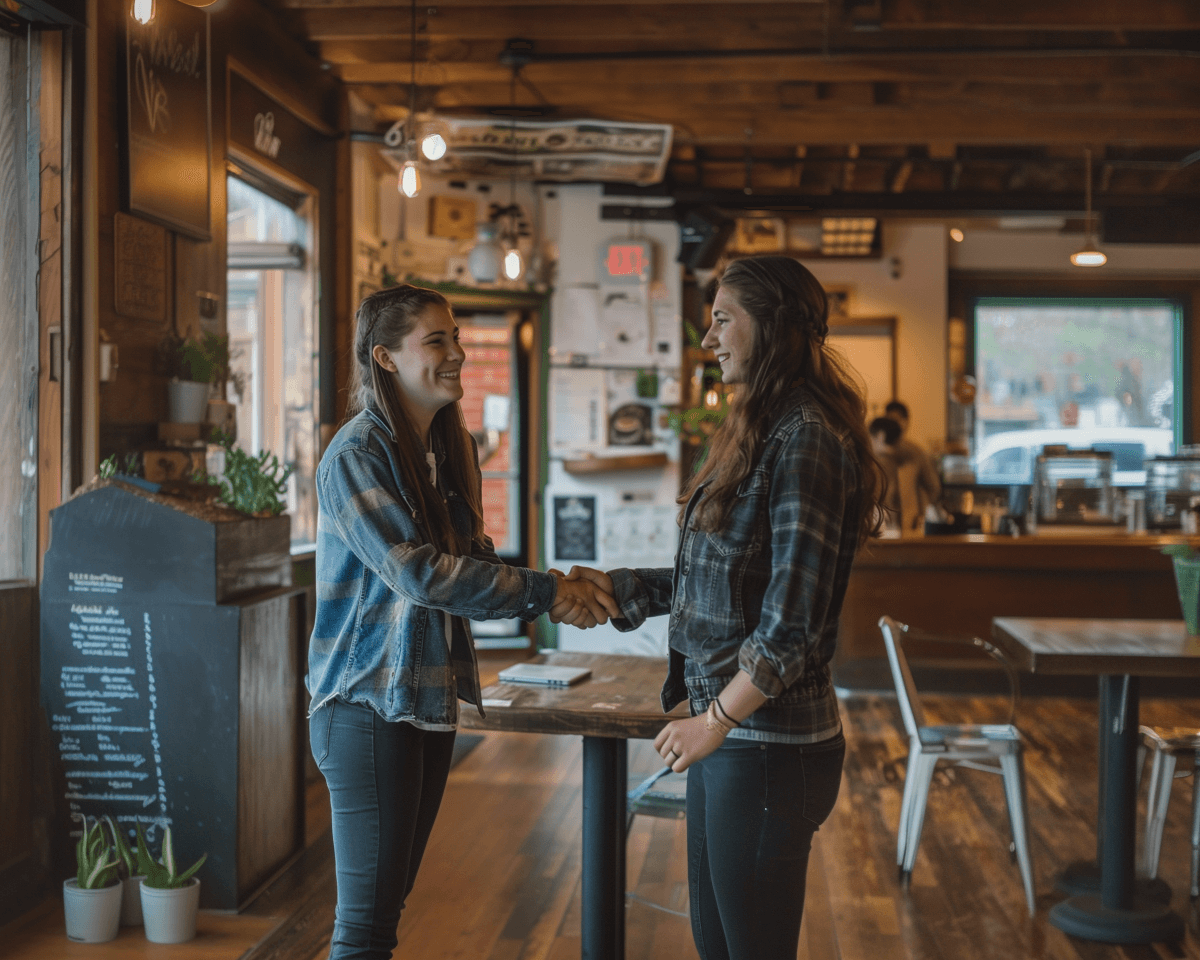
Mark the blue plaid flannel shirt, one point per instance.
(765, 593)
(379, 636)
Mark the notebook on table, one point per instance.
(544, 673)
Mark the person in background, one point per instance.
(885, 434)
(918, 482)
(402, 563)
(769, 528)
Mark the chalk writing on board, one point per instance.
(107, 728)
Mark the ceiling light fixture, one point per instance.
(957, 235)
(511, 236)
(142, 11)
(410, 174)
(1088, 255)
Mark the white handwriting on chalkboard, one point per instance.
(152, 96)
(265, 140)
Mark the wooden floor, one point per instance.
(501, 876)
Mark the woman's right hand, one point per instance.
(581, 603)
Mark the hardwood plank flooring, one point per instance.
(501, 875)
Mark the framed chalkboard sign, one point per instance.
(169, 132)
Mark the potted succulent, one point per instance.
(92, 898)
(131, 870)
(170, 899)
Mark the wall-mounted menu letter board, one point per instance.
(169, 143)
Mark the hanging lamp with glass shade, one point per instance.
(409, 181)
(1088, 255)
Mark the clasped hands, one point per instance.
(584, 598)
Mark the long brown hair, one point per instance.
(386, 318)
(788, 352)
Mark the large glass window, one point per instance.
(272, 335)
(1100, 374)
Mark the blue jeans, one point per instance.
(752, 810)
(385, 786)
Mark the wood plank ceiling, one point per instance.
(918, 105)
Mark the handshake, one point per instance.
(584, 598)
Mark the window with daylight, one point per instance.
(273, 340)
(1100, 374)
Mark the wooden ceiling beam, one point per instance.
(365, 62)
(736, 24)
(376, 4)
(1037, 98)
(1057, 15)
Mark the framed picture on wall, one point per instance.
(168, 142)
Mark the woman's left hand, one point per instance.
(682, 742)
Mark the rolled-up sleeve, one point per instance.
(807, 503)
(641, 593)
(356, 486)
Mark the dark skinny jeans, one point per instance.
(752, 810)
(386, 782)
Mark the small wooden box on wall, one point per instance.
(452, 218)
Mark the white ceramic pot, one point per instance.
(131, 902)
(169, 916)
(93, 916)
(187, 401)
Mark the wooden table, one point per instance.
(1119, 652)
(618, 702)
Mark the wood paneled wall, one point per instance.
(245, 32)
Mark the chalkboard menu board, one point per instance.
(169, 142)
(144, 679)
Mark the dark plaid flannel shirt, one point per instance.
(765, 593)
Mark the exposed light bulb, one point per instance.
(956, 235)
(1089, 256)
(433, 146)
(143, 11)
(513, 267)
(410, 179)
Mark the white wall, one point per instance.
(909, 283)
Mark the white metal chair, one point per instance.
(1166, 747)
(994, 748)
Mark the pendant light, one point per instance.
(142, 11)
(409, 182)
(1088, 255)
(513, 265)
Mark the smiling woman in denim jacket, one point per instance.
(769, 528)
(402, 563)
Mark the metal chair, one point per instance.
(1166, 747)
(965, 745)
(656, 797)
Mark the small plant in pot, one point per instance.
(192, 367)
(1187, 582)
(92, 898)
(170, 899)
(131, 868)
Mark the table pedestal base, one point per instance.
(1083, 877)
(1148, 921)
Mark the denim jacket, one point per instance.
(379, 636)
(763, 594)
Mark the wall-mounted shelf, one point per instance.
(637, 461)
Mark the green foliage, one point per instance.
(251, 484)
(162, 874)
(130, 862)
(204, 359)
(96, 865)
(130, 465)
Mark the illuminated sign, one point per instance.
(625, 261)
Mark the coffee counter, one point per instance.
(955, 585)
